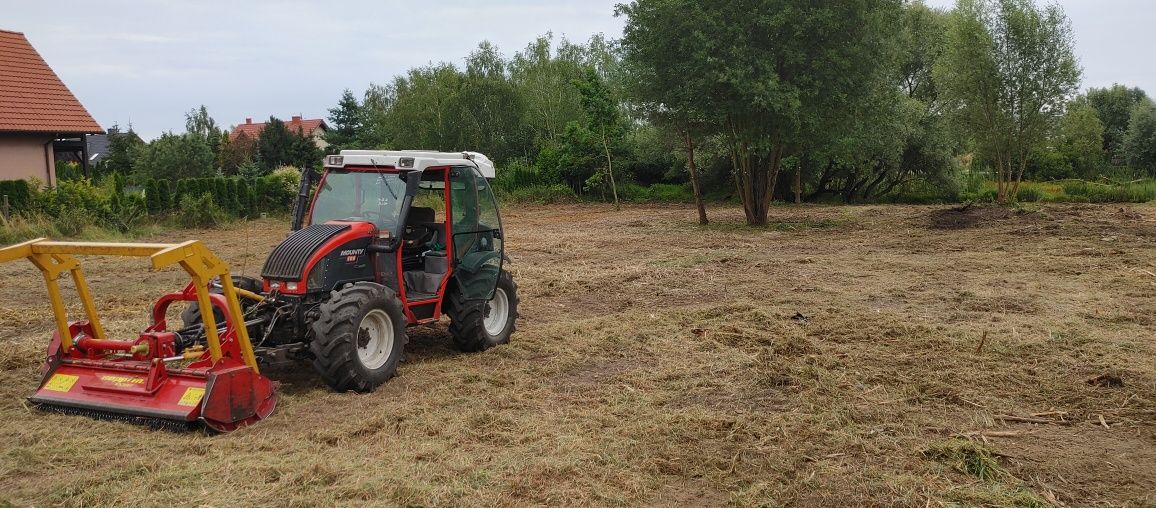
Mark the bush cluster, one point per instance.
(111, 204)
(1071, 191)
(236, 196)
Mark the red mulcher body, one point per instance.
(162, 377)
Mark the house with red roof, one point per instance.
(37, 113)
(314, 129)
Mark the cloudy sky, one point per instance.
(149, 62)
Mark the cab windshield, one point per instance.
(359, 196)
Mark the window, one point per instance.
(359, 196)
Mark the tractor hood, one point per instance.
(319, 257)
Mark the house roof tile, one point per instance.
(305, 127)
(32, 97)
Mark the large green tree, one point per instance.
(896, 134)
(175, 156)
(345, 120)
(376, 106)
(278, 146)
(122, 150)
(492, 112)
(1140, 140)
(1081, 138)
(1114, 106)
(199, 123)
(604, 121)
(542, 72)
(1008, 69)
(774, 73)
(660, 76)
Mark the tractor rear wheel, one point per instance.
(359, 337)
(478, 326)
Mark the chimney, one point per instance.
(297, 119)
(248, 121)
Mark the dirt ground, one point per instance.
(842, 356)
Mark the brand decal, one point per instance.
(119, 380)
(351, 255)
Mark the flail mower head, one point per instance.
(165, 378)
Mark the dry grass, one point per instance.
(940, 360)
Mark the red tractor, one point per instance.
(390, 239)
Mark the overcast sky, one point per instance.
(149, 62)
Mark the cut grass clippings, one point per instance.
(662, 363)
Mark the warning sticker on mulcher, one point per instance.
(191, 397)
(60, 382)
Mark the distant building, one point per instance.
(314, 129)
(39, 116)
(96, 149)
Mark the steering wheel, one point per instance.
(412, 239)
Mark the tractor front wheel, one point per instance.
(359, 338)
(478, 326)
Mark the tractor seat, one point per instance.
(420, 215)
(420, 218)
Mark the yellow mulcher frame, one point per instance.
(55, 258)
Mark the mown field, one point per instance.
(843, 356)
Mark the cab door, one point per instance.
(476, 234)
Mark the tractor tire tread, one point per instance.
(467, 319)
(334, 344)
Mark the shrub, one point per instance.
(165, 195)
(278, 190)
(78, 196)
(200, 211)
(923, 191)
(72, 221)
(657, 193)
(235, 201)
(518, 174)
(126, 210)
(541, 194)
(223, 195)
(1132, 192)
(153, 199)
(244, 199)
(179, 189)
(1029, 195)
(19, 193)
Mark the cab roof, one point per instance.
(410, 160)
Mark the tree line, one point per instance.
(760, 101)
(205, 150)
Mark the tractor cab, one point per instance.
(434, 210)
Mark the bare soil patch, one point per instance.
(970, 216)
(658, 362)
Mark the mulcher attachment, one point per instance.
(162, 378)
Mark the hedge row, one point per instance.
(274, 193)
(236, 196)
